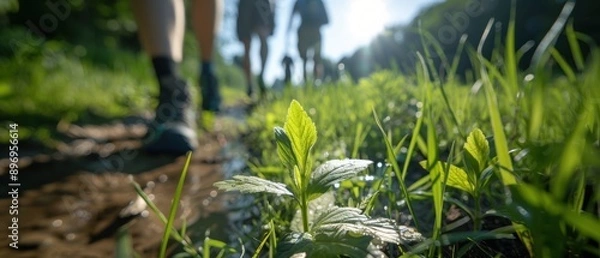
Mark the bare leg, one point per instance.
(161, 29)
(264, 53)
(161, 26)
(247, 65)
(317, 65)
(205, 22)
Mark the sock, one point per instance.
(164, 67)
(207, 67)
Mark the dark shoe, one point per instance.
(249, 90)
(209, 87)
(173, 130)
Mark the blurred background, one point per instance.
(366, 34)
(76, 60)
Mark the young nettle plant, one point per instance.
(474, 178)
(329, 231)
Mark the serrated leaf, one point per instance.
(334, 171)
(284, 148)
(252, 184)
(457, 177)
(302, 134)
(478, 149)
(324, 245)
(351, 220)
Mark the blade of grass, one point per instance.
(264, 241)
(510, 54)
(452, 113)
(429, 62)
(539, 61)
(560, 60)
(579, 194)
(574, 45)
(503, 230)
(124, 246)
(174, 233)
(412, 145)
(391, 156)
(451, 238)
(433, 164)
(541, 54)
(572, 154)
(457, 57)
(174, 206)
(501, 143)
(359, 138)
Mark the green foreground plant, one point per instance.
(329, 230)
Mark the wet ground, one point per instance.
(71, 196)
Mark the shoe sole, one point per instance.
(172, 140)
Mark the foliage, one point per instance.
(539, 176)
(456, 22)
(332, 230)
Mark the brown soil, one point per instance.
(70, 197)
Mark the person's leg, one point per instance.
(317, 64)
(304, 68)
(161, 26)
(206, 21)
(161, 30)
(263, 33)
(303, 51)
(247, 65)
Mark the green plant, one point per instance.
(171, 232)
(475, 177)
(328, 230)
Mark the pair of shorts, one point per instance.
(309, 38)
(254, 16)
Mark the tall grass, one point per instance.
(539, 174)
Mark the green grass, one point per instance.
(547, 173)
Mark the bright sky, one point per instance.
(352, 24)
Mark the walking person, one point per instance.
(255, 17)
(161, 28)
(313, 16)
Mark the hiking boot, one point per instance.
(249, 90)
(174, 127)
(209, 87)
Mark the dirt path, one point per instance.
(73, 195)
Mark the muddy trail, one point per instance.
(70, 197)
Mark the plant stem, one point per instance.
(304, 210)
(477, 215)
